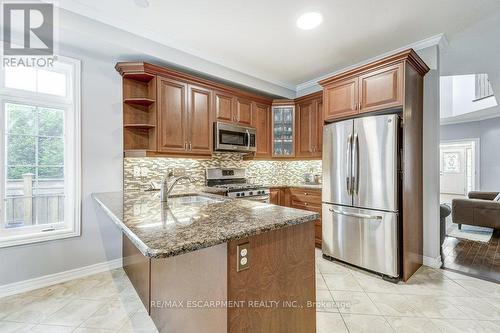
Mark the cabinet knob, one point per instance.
(306, 204)
(305, 193)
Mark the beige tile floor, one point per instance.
(349, 300)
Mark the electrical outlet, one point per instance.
(242, 257)
(144, 172)
(137, 171)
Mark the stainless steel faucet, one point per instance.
(165, 189)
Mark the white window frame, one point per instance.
(71, 104)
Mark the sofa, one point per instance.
(479, 209)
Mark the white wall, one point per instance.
(101, 171)
(457, 96)
(431, 156)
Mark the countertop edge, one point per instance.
(119, 223)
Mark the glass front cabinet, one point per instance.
(283, 131)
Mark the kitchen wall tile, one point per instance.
(261, 172)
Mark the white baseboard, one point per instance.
(432, 262)
(51, 279)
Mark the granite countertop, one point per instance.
(161, 231)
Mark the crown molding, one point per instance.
(311, 85)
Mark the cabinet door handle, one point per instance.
(190, 146)
(185, 145)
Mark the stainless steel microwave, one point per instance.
(228, 137)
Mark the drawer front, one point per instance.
(306, 196)
(306, 206)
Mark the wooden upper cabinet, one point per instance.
(224, 107)
(341, 98)
(305, 118)
(309, 122)
(199, 120)
(172, 109)
(381, 89)
(262, 123)
(243, 111)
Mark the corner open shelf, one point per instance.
(142, 126)
(139, 101)
(139, 109)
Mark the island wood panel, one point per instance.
(381, 89)
(200, 120)
(262, 123)
(413, 173)
(137, 267)
(172, 116)
(281, 267)
(195, 276)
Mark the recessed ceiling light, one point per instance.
(309, 20)
(142, 3)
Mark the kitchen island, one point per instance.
(207, 263)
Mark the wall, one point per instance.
(262, 172)
(457, 96)
(431, 157)
(100, 240)
(488, 132)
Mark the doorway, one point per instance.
(459, 168)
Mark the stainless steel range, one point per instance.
(234, 181)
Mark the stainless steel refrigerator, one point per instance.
(360, 193)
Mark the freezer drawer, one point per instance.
(361, 237)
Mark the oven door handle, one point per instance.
(248, 139)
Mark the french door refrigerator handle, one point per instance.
(363, 216)
(348, 164)
(355, 171)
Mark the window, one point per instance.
(40, 153)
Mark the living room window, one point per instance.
(40, 153)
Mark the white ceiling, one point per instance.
(260, 37)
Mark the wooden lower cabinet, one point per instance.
(275, 196)
(305, 199)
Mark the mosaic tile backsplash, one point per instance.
(261, 172)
